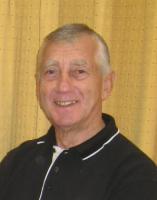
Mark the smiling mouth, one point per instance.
(65, 103)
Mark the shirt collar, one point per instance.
(95, 143)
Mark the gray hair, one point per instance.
(70, 32)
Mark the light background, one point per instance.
(130, 29)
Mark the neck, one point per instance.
(68, 137)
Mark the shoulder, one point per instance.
(16, 155)
(16, 159)
(134, 174)
(22, 148)
(127, 157)
(128, 152)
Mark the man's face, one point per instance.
(71, 84)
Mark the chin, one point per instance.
(65, 124)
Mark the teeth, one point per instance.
(65, 103)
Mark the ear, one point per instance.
(108, 82)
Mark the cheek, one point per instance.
(92, 93)
(43, 93)
(45, 89)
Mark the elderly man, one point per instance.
(83, 156)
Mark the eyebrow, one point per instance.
(51, 63)
(79, 62)
(76, 62)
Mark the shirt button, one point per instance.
(56, 169)
(65, 152)
(49, 187)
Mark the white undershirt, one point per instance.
(58, 151)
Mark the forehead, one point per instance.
(84, 46)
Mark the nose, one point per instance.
(64, 83)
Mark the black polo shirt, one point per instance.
(106, 167)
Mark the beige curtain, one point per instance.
(130, 29)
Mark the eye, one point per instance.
(50, 73)
(80, 73)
